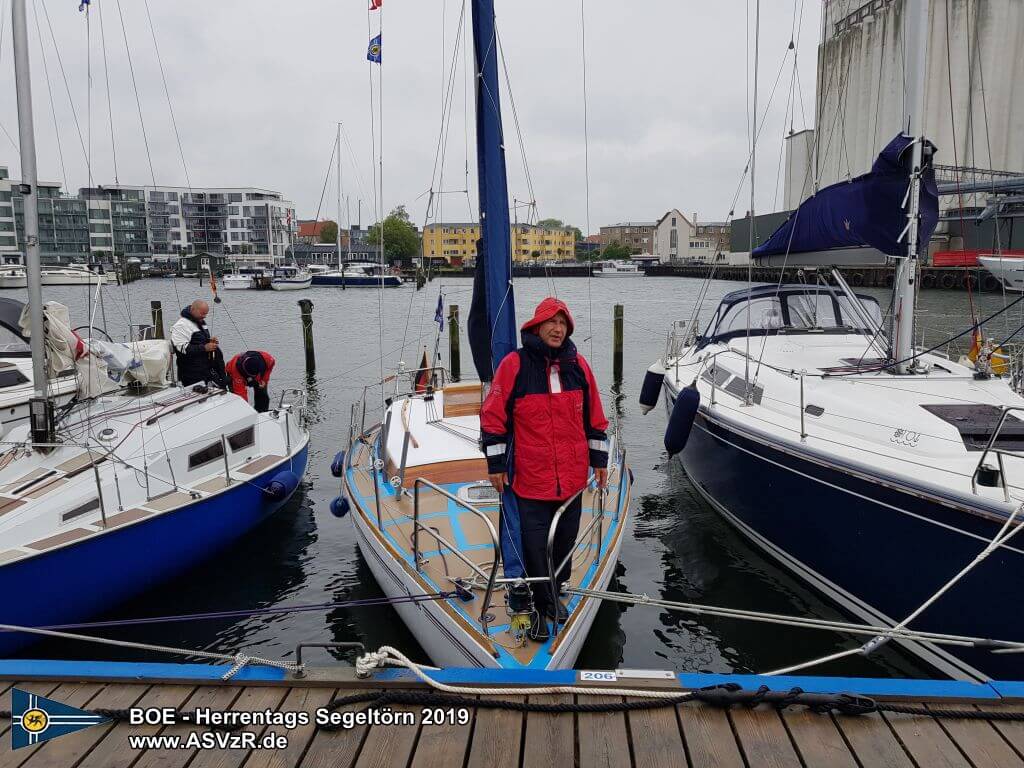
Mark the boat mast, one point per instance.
(916, 21)
(337, 228)
(29, 193)
(492, 179)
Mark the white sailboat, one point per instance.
(427, 518)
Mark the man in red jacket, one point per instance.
(544, 407)
(251, 369)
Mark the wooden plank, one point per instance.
(602, 737)
(389, 745)
(763, 738)
(1011, 731)
(336, 749)
(656, 738)
(926, 742)
(497, 738)
(252, 699)
(708, 736)
(113, 751)
(817, 739)
(298, 700)
(73, 694)
(871, 740)
(550, 738)
(64, 751)
(444, 743)
(980, 741)
(214, 697)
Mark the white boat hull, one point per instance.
(291, 285)
(1008, 270)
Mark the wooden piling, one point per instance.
(306, 307)
(617, 343)
(157, 311)
(454, 358)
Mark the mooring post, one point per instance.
(617, 344)
(306, 306)
(454, 359)
(158, 319)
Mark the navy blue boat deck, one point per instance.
(690, 734)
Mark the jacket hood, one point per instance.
(187, 314)
(545, 311)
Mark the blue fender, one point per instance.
(339, 506)
(680, 423)
(281, 486)
(650, 390)
(338, 465)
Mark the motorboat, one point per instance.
(236, 281)
(358, 274)
(290, 279)
(13, 276)
(618, 269)
(438, 537)
(1008, 270)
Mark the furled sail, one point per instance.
(858, 221)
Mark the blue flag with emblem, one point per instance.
(35, 719)
(373, 51)
(439, 312)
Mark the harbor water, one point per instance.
(677, 547)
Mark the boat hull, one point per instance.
(389, 281)
(1008, 270)
(290, 285)
(877, 549)
(80, 581)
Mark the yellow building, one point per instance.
(457, 242)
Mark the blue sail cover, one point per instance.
(867, 211)
(492, 315)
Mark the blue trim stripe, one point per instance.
(129, 671)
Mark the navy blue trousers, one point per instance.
(535, 519)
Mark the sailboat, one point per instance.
(872, 468)
(426, 517)
(122, 489)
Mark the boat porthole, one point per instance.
(107, 434)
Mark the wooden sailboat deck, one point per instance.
(691, 734)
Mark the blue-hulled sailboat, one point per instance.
(870, 467)
(426, 516)
(122, 488)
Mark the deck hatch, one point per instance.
(975, 422)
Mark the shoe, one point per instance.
(560, 613)
(538, 628)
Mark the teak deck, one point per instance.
(690, 734)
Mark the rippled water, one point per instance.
(677, 547)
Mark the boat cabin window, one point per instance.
(210, 453)
(770, 310)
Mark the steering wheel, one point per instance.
(95, 329)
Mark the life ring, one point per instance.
(928, 280)
(857, 279)
(948, 280)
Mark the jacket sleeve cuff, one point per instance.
(495, 453)
(598, 453)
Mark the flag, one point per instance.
(375, 4)
(85, 4)
(423, 375)
(36, 719)
(373, 51)
(439, 313)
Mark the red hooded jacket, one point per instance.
(239, 378)
(544, 408)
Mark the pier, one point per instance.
(695, 734)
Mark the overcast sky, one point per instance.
(257, 88)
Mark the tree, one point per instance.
(559, 224)
(328, 232)
(401, 241)
(615, 251)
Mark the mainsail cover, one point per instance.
(865, 212)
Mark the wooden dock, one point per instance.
(690, 734)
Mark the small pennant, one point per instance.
(36, 719)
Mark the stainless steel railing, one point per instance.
(999, 453)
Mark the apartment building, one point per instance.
(63, 224)
(455, 243)
(8, 238)
(637, 236)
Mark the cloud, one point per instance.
(257, 88)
